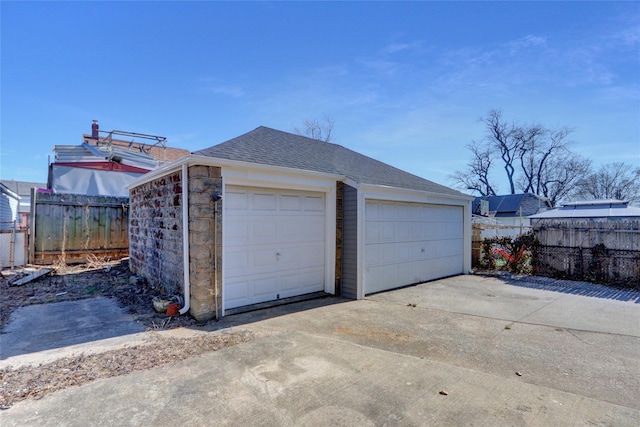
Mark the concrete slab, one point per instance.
(384, 360)
(48, 327)
(491, 297)
(300, 379)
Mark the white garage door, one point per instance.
(274, 244)
(407, 243)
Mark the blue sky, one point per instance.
(405, 82)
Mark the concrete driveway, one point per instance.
(467, 350)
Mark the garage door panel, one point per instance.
(314, 204)
(262, 287)
(235, 262)
(407, 243)
(292, 203)
(274, 244)
(302, 229)
(237, 291)
(236, 201)
(309, 281)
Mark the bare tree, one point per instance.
(561, 174)
(503, 136)
(611, 181)
(321, 130)
(476, 178)
(535, 159)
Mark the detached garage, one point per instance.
(271, 215)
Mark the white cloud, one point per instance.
(525, 42)
(216, 87)
(229, 90)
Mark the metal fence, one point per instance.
(598, 264)
(13, 245)
(592, 249)
(68, 228)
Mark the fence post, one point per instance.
(12, 246)
(31, 235)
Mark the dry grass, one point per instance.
(30, 382)
(97, 278)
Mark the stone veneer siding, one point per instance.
(155, 232)
(205, 241)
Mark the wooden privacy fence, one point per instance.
(69, 227)
(593, 249)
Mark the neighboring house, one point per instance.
(106, 166)
(96, 171)
(270, 215)
(9, 202)
(510, 209)
(23, 189)
(158, 150)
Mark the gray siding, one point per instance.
(8, 211)
(350, 243)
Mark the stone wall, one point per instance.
(205, 241)
(155, 232)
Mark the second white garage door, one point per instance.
(407, 243)
(274, 244)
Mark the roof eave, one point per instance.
(194, 159)
(411, 192)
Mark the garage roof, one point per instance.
(510, 205)
(272, 147)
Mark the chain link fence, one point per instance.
(13, 245)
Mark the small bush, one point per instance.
(513, 254)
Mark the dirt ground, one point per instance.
(94, 279)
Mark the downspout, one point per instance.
(216, 198)
(215, 253)
(185, 239)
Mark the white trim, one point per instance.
(389, 194)
(360, 246)
(407, 195)
(327, 186)
(194, 160)
(467, 230)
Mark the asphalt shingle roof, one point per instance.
(22, 188)
(272, 147)
(509, 205)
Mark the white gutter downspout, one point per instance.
(185, 238)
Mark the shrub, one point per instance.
(517, 253)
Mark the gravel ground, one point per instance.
(110, 279)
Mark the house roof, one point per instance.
(272, 147)
(90, 153)
(22, 188)
(592, 209)
(510, 205)
(5, 190)
(161, 154)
